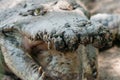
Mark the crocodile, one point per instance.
(56, 40)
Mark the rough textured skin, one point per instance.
(16, 59)
(111, 21)
(66, 32)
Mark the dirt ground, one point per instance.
(109, 64)
(103, 6)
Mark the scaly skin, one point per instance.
(17, 60)
(7, 32)
(63, 28)
(110, 21)
(67, 35)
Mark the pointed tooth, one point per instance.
(43, 76)
(95, 74)
(40, 70)
(48, 44)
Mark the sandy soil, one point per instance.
(103, 6)
(109, 64)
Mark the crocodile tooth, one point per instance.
(40, 70)
(95, 74)
(42, 77)
(37, 36)
(48, 44)
(45, 37)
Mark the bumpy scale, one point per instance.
(70, 37)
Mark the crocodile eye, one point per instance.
(37, 11)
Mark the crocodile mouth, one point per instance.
(56, 64)
(63, 65)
